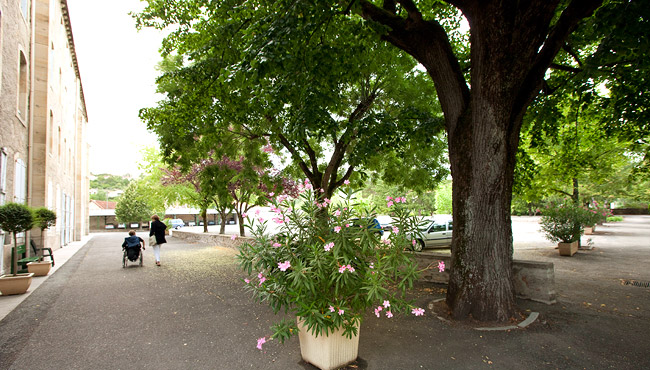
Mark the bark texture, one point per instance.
(512, 45)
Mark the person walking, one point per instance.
(157, 230)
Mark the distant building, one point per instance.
(43, 119)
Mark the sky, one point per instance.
(117, 67)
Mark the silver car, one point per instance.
(436, 232)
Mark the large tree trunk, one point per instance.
(512, 45)
(482, 166)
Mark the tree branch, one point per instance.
(428, 43)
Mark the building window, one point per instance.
(3, 176)
(22, 88)
(24, 8)
(50, 132)
(20, 182)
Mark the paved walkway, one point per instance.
(192, 313)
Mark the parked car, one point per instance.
(177, 223)
(371, 224)
(436, 232)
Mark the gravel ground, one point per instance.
(192, 313)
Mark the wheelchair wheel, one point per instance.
(141, 256)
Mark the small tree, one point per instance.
(44, 218)
(131, 206)
(15, 218)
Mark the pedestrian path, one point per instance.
(61, 256)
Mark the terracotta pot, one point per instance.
(18, 284)
(39, 268)
(327, 352)
(568, 249)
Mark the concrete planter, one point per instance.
(590, 230)
(568, 249)
(10, 285)
(39, 268)
(327, 352)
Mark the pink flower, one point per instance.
(389, 198)
(337, 213)
(327, 201)
(346, 267)
(341, 312)
(260, 342)
(261, 220)
(271, 194)
(386, 304)
(441, 266)
(347, 225)
(244, 215)
(276, 244)
(246, 281)
(329, 246)
(284, 265)
(395, 230)
(377, 313)
(337, 229)
(346, 182)
(418, 311)
(278, 220)
(386, 241)
(332, 309)
(413, 242)
(257, 212)
(389, 204)
(372, 265)
(233, 237)
(322, 190)
(379, 308)
(389, 314)
(267, 149)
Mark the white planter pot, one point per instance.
(327, 352)
(39, 268)
(10, 285)
(568, 249)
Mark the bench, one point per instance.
(21, 250)
(48, 250)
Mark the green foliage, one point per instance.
(300, 83)
(323, 269)
(44, 218)
(107, 181)
(614, 219)
(376, 191)
(444, 198)
(16, 218)
(564, 222)
(132, 205)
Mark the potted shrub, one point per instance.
(44, 218)
(563, 224)
(15, 218)
(328, 272)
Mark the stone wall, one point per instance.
(533, 280)
(217, 239)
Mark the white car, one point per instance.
(177, 223)
(436, 232)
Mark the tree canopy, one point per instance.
(314, 87)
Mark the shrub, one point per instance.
(15, 218)
(564, 222)
(327, 271)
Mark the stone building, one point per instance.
(43, 119)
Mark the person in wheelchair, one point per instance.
(132, 245)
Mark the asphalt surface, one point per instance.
(192, 313)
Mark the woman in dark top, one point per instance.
(157, 228)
